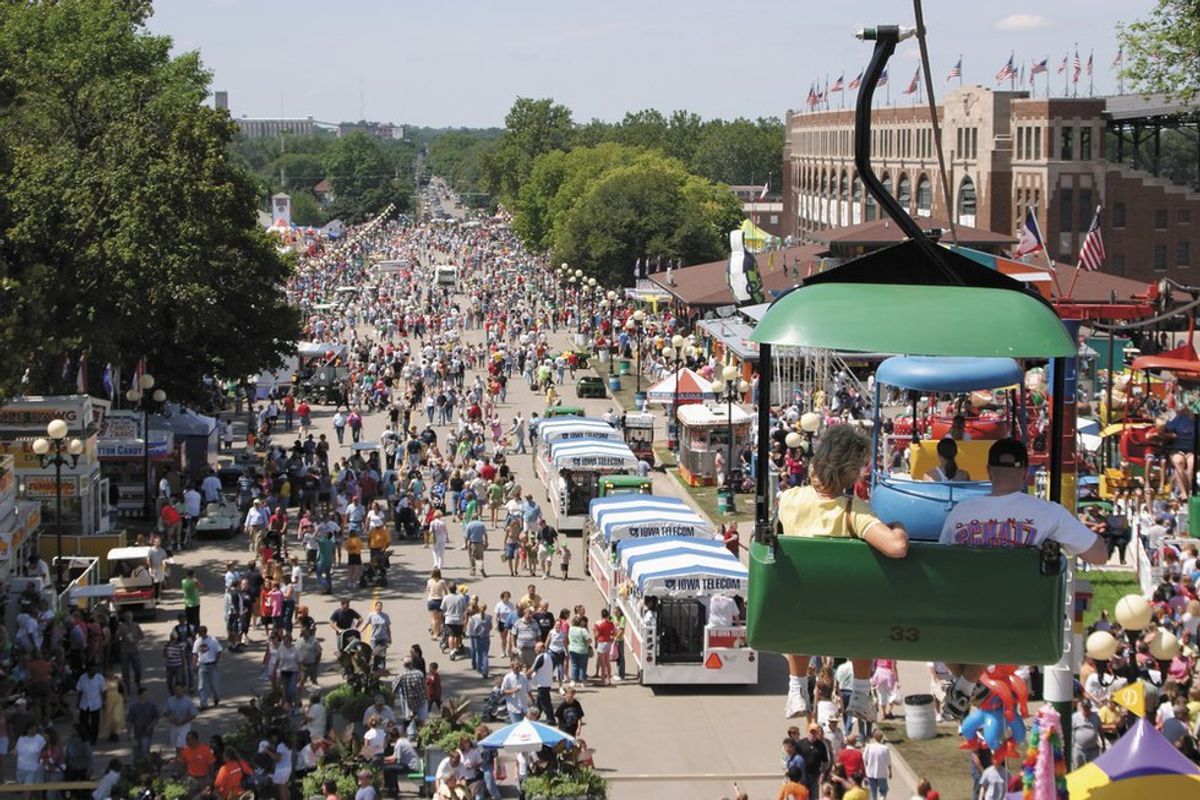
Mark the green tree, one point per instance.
(531, 127)
(739, 152)
(364, 178)
(1162, 51)
(306, 210)
(127, 229)
(651, 207)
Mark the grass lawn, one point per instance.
(937, 760)
(706, 496)
(1108, 586)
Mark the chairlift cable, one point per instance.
(933, 119)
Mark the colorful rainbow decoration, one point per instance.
(1044, 770)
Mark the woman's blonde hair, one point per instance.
(838, 458)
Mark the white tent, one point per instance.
(692, 388)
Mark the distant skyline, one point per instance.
(463, 63)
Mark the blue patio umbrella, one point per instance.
(525, 737)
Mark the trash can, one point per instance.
(624, 365)
(722, 503)
(919, 719)
(639, 400)
(614, 383)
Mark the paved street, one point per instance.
(638, 733)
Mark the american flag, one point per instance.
(837, 85)
(955, 71)
(882, 79)
(1091, 254)
(1039, 67)
(812, 97)
(1089, 65)
(1063, 66)
(1120, 59)
(1006, 72)
(854, 84)
(1076, 67)
(912, 86)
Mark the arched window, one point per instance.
(924, 196)
(966, 202)
(832, 185)
(845, 188)
(821, 185)
(904, 193)
(886, 180)
(858, 190)
(870, 211)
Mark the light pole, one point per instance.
(144, 396)
(612, 331)
(56, 441)
(579, 284)
(634, 325)
(675, 351)
(729, 385)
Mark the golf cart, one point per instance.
(221, 520)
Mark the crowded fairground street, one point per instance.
(840, 452)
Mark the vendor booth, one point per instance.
(705, 429)
(120, 447)
(83, 490)
(693, 630)
(615, 519)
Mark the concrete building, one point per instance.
(221, 101)
(257, 128)
(1003, 151)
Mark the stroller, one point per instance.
(375, 572)
(407, 524)
(494, 708)
(359, 662)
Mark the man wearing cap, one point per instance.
(817, 759)
(256, 522)
(1010, 517)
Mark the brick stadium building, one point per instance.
(1005, 150)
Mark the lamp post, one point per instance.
(634, 325)
(611, 298)
(729, 385)
(675, 352)
(144, 396)
(56, 441)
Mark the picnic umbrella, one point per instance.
(525, 737)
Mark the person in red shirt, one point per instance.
(305, 411)
(289, 410)
(605, 631)
(197, 759)
(172, 524)
(851, 758)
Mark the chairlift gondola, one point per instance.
(939, 603)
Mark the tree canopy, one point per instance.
(126, 229)
(1162, 51)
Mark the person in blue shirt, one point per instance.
(1181, 436)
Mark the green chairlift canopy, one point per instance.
(893, 300)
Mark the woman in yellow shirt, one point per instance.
(354, 548)
(828, 507)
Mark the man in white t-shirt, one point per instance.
(1009, 517)
(515, 688)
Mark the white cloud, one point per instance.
(1023, 22)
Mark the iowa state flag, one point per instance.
(1030, 237)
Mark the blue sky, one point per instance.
(462, 62)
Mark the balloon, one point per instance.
(1164, 646)
(1133, 612)
(1101, 645)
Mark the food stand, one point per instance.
(705, 429)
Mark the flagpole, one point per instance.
(1066, 77)
(1075, 91)
(1091, 72)
(960, 70)
(1079, 263)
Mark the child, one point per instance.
(309, 537)
(564, 561)
(433, 685)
